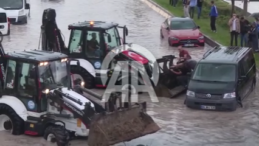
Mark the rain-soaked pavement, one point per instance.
(180, 126)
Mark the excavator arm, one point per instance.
(51, 37)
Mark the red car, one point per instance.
(182, 31)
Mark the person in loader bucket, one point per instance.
(183, 71)
(183, 55)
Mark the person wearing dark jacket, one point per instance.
(244, 28)
(199, 7)
(213, 16)
(253, 38)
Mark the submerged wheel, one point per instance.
(10, 121)
(57, 134)
(84, 75)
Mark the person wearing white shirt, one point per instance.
(234, 26)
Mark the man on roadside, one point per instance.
(199, 7)
(193, 4)
(175, 3)
(234, 26)
(186, 8)
(170, 2)
(244, 28)
(183, 55)
(253, 37)
(213, 16)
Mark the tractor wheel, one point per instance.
(10, 121)
(81, 73)
(57, 134)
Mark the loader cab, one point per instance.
(30, 74)
(92, 40)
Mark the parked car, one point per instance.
(17, 10)
(222, 79)
(181, 31)
(4, 23)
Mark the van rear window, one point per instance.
(3, 17)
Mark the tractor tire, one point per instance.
(16, 123)
(57, 134)
(87, 77)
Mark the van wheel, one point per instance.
(84, 75)
(10, 121)
(57, 134)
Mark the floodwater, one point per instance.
(180, 126)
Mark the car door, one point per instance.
(241, 81)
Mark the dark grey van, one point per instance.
(222, 79)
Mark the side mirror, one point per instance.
(198, 27)
(241, 78)
(27, 6)
(109, 38)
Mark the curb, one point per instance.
(159, 8)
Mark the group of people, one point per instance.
(248, 32)
(189, 7)
(239, 27)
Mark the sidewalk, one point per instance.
(252, 6)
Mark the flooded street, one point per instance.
(180, 126)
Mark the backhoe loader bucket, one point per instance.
(120, 126)
(167, 84)
(119, 122)
(167, 88)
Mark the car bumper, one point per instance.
(219, 104)
(188, 43)
(4, 31)
(17, 19)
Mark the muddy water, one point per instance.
(180, 126)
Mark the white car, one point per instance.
(4, 23)
(17, 10)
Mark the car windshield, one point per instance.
(54, 73)
(179, 25)
(215, 72)
(11, 4)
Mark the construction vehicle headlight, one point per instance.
(91, 23)
(82, 84)
(190, 93)
(46, 91)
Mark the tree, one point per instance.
(232, 7)
(245, 7)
